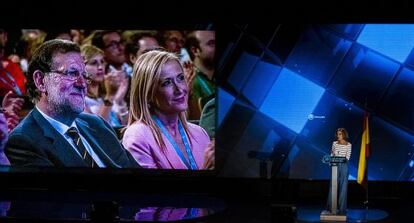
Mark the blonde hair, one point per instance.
(144, 83)
(88, 51)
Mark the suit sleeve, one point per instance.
(207, 119)
(130, 163)
(22, 151)
(135, 142)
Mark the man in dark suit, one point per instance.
(56, 132)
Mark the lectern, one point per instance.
(326, 215)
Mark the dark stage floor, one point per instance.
(130, 207)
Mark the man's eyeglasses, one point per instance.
(114, 44)
(176, 40)
(73, 75)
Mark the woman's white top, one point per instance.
(341, 150)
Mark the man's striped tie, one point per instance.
(74, 135)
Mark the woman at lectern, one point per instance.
(341, 147)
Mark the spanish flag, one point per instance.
(364, 154)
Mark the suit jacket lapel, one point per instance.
(93, 139)
(62, 149)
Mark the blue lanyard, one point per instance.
(114, 120)
(192, 165)
(13, 85)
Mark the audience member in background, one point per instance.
(64, 34)
(77, 36)
(201, 46)
(158, 134)
(12, 108)
(208, 118)
(11, 76)
(4, 134)
(140, 42)
(208, 123)
(56, 132)
(173, 41)
(89, 34)
(110, 41)
(12, 85)
(23, 49)
(106, 92)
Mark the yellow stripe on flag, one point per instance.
(364, 153)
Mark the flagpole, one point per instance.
(366, 169)
(366, 203)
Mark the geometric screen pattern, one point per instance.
(393, 40)
(290, 126)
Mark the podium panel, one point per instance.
(327, 215)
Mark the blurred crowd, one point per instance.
(109, 57)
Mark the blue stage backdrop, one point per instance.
(282, 97)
